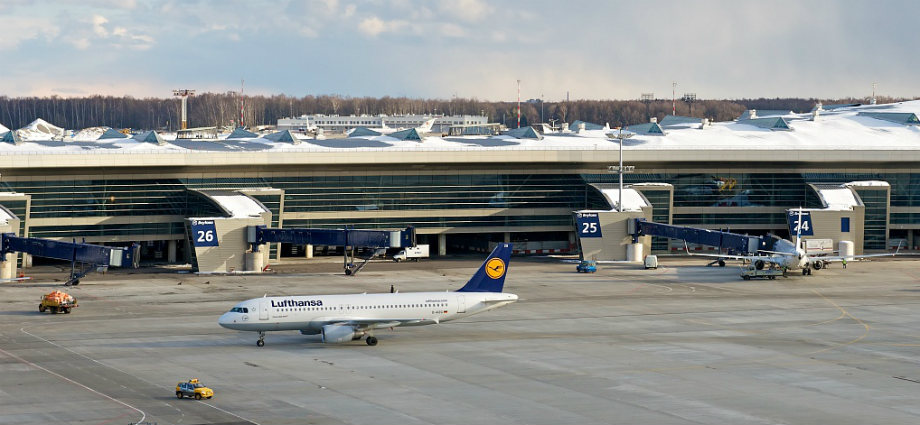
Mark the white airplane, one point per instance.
(789, 255)
(343, 318)
(384, 130)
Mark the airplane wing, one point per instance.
(835, 258)
(751, 258)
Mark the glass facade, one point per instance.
(661, 210)
(875, 228)
(359, 194)
(728, 189)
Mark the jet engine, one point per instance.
(338, 333)
(759, 264)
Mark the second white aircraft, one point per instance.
(343, 318)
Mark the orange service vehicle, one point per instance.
(57, 301)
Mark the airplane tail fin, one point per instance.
(427, 125)
(491, 274)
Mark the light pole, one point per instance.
(689, 98)
(541, 105)
(621, 136)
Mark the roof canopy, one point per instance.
(363, 132)
(905, 118)
(9, 137)
(282, 136)
(409, 134)
(649, 128)
(241, 133)
(771, 123)
(149, 137)
(112, 134)
(525, 133)
(588, 125)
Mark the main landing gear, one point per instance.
(261, 341)
(372, 341)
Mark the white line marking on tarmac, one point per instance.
(119, 370)
(22, 360)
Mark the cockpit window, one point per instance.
(239, 310)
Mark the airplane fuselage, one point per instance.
(309, 314)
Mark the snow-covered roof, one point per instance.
(839, 198)
(40, 130)
(237, 204)
(679, 121)
(5, 215)
(871, 183)
(632, 199)
(89, 134)
(838, 129)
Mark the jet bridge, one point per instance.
(75, 252)
(731, 242)
(349, 238)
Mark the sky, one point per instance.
(605, 49)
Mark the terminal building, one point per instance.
(463, 193)
(343, 123)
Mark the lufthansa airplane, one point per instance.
(343, 318)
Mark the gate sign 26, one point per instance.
(204, 233)
(803, 225)
(589, 225)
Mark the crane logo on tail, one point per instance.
(495, 268)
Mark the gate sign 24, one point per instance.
(589, 225)
(804, 224)
(204, 233)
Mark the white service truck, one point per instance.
(412, 253)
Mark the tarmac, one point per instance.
(683, 344)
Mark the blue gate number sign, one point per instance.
(804, 225)
(204, 233)
(589, 225)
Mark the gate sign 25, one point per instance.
(589, 225)
(204, 233)
(804, 225)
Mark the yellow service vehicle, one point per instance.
(57, 301)
(193, 388)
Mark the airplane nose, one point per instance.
(224, 320)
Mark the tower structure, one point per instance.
(184, 94)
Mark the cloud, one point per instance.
(98, 25)
(80, 43)
(15, 30)
(120, 37)
(452, 30)
(375, 26)
(467, 10)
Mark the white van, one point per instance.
(651, 262)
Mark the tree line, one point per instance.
(226, 109)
